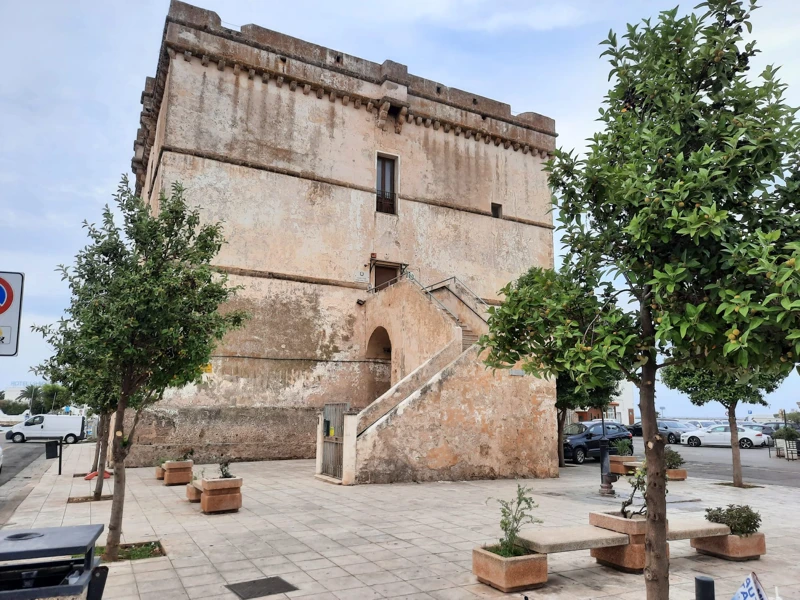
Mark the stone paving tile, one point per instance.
(409, 541)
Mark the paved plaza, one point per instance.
(409, 541)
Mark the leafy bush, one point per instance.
(225, 470)
(10, 407)
(742, 519)
(623, 446)
(786, 433)
(515, 513)
(672, 459)
(638, 484)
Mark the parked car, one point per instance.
(583, 439)
(766, 430)
(68, 427)
(673, 430)
(635, 429)
(701, 424)
(720, 435)
(778, 424)
(1, 459)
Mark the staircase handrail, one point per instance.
(480, 300)
(409, 275)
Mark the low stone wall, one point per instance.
(227, 433)
(466, 423)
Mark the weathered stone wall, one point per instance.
(417, 327)
(278, 139)
(466, 423)
(229, 433)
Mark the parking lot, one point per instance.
(713, 462)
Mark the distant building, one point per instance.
(371, 217)
(621, 408)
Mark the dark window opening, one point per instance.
(474, 100)
(283, 59)
(497, 211)
(438, 89)
(385, 276)
(338, 59)
(386, 198)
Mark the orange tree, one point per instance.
(687, 199)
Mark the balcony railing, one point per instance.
(385, 202)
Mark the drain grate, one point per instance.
(258, 588)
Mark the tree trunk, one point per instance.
(105, 421)
(561, 417)
(97, 445)
(656, 569)
(119, 452)
(737, 459)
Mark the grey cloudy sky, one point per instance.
(74, 72)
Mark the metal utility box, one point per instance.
(51, 562)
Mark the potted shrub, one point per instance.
(223, 493)
(506, 565)
(674, 462)
(178, 472)
(624, 449)
(744, 541)
(160, 468)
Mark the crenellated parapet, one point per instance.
(396, 98)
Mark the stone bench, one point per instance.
(623, 551)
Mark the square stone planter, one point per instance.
(618, 463)
(677, 474)
(512, 574)
(178, 472)
(732, 547)
(159, 473)
(221, 495)
(616, 522)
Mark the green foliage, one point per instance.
(672, 459)
(703, 386)
(689, 194)
(143, 315)
(11, 407)
(514, 514)
(786, 433)
(623, 446)
(551, 323)
(742, 519)
(793, 417)
(33, 394)
(225, 470)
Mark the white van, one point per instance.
(70, 428)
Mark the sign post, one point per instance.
(10, 312)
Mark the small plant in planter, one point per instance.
(507, 566)
(638, 485)
(744, 541)
(221, 494)
(623, 446)
(179, 472)
(674, 461)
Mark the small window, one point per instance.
(35, 421)
(386, 198)
(497, 210)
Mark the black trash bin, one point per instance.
(51, 562)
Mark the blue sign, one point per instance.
(749, 412)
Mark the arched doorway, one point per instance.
(379, 349)
(379, 345)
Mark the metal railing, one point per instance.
(455, 279)
(409, 275)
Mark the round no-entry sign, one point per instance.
(6, 295)
(10, 311)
